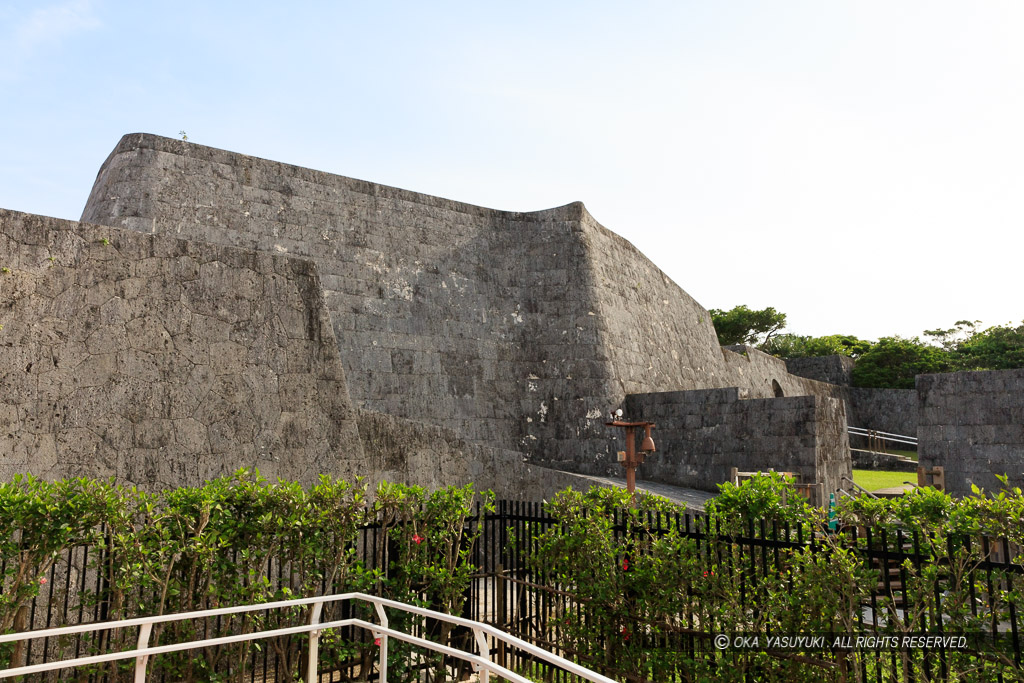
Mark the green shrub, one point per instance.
(236, 540)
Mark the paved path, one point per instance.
(894, 491)
(693, 498)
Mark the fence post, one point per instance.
(500, 610)
(143, 660)
(383, 665)
(485, 652)
(314, 643)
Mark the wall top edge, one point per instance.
(573, 211)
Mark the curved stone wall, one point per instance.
(516, 330)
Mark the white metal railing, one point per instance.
(882, 436)
(857, 486)
(481, 661)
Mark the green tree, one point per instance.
(954, 336)
(893, 362)
(799, 346)
(741, 325)
(997, 348)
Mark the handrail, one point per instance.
(891, 455)
(884, 436)
(863, 490)
(481, 662)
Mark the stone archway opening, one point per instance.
(777, 388)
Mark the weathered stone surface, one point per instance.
(972, 424)
(519, 331)
(886, 410)
(433, 456)
(163, 362)
(765, 376)
(465, 337)
(701, 435)
(834, 369)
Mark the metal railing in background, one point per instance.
(876, 436)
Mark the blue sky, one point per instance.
(856, 164)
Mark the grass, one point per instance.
(910, 454)
(874, 480)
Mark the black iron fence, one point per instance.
(918, 584)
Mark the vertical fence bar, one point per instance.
(485, 652)
(1014, 632)
(142, 661)
(49, 609)
(382, 667)
(314, 643)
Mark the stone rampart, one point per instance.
(765, 376)
(701, 435)
(972, 424)
(886, 410)
(433, 457)
(162, 361)
(834, 369)
(519, 331)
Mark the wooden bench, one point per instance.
(814, 493)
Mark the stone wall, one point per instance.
(164, 362)
(886, 410)
(433, 457)
(701, 435)
(832, 369)
(972, 424)
(519, 331)
(765, 376)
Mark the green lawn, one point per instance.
(910, 454)
(873, 480)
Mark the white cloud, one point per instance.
(44, 28)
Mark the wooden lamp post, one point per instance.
(630, 458)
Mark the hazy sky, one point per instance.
(858, 165)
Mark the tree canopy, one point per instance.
(894, 362)
(891, 362)
(742, 325)
(798, 346)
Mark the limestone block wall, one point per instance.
(972, 424)
(701, 435)
(519, 331)
(516, 330)
(887, 410)
(432, 456)
(834, 369)
(765, 376)
(162, 361)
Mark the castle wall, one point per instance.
(162, 361)
(886, 410)
(519, 331)
(433, 457)
(701, 435)
(835, 369)
(765, 376)
(972, 424)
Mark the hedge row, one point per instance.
(237, 540)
